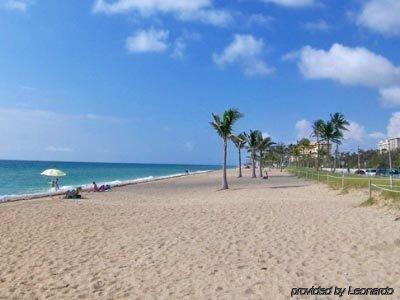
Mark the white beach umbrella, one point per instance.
(53, 173)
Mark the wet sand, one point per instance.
(181, 238)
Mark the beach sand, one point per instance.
(181, 238)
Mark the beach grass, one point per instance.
(369, 202)
(382, 186)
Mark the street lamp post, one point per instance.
(390, 164)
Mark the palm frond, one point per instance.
(339, 121)
(224, 126)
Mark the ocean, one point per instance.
(22, 178)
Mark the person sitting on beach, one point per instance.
(266, 175)
(74, 194)
(102, 188)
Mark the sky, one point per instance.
(137, 80)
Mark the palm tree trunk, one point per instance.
(329, 162)
(335, 157)
(224, 180)
(261, 164)
(240, 164)
(253, 162)
(317, 153)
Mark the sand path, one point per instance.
(180, 238)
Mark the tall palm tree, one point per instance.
(341, 124)
(224, 127)
(330, 134)
(317, 129)
(263, 145)
(253, 138)
(239, 141)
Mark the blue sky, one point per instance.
(137, 80)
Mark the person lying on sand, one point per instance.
(74, 194)
(102, 188)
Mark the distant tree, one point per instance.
(253, 138)
(295, 153)
(240, 142)
(281, 150)
(317, 133)
(224, 127)
(370, 159)
(330, 134)
(340, 122)
(264, 144)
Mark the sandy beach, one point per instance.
(181, 238)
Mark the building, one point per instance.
(312, 149)
(387, 144)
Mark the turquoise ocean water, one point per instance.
(23, 177)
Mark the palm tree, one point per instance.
(240, 142)
(253, 138)
(330, 134)
(281, 149)
(224, 127)
(317, 132)
(341, 124)
(263, 145)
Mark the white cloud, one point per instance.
(18, 5)
(194, 10)
(390, 96)
(351, 66)
(382, 16)
(358, 136)
(213, 17)
(291, 56)
(303, 129)
(180, 44)
(266, 135)
(148, 41)
(377, 135)
(149, 6)
(179, 48)
(393, 128)
(319, 25)
(292, 3)
(246, 51)
(59, 149)
(259, 19)
(354, 132)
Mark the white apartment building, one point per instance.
(391, 144)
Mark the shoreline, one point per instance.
(113, 184)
